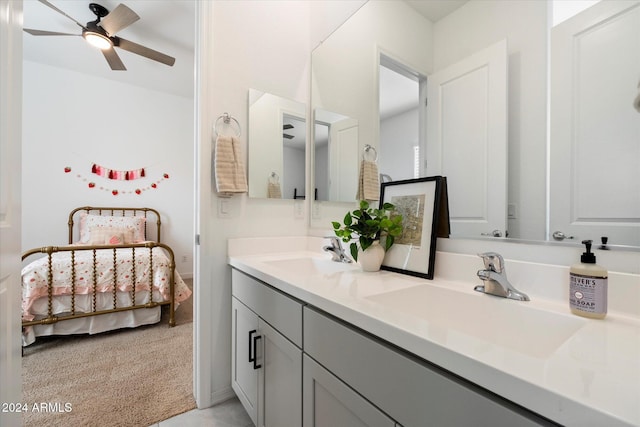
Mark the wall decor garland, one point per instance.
(123, 175)
(111, 174)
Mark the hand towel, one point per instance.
(368, 182)
(229, 166)
(274, 191)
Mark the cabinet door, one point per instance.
(279, 381)
(244, 378)
(328, 402)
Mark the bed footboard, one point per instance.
(133, 261)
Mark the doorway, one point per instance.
(401, 122)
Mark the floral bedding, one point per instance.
(34, 275)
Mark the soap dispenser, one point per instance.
(588, 286)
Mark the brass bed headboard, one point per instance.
(109, 211)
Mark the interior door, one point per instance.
(343, 160)
(467, 139)
(595, 131)
(10, 211)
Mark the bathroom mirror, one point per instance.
(378, 30)
(387, 28)
(277, 142)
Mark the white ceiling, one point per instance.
(165, 26)
(434, 10)
(397, 92)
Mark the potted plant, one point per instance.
(369, 225)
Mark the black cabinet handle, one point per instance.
(252, 354)
(255, 346)
(253, 342)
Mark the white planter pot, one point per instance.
(371, 259)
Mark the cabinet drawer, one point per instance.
(412, 392)
(280, 311)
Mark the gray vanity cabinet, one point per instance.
(266, 352)
(343, 376)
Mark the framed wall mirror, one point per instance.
(426, 45)
(277, 146)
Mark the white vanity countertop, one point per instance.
(572, 370)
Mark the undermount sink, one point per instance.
(486, 319)
(312, 266)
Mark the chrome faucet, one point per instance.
(336, 250)
(495, 279)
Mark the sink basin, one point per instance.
(483, 319)
(312, 266)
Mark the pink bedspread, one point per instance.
(35, 275)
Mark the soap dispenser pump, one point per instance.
(588, 286)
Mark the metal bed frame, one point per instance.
(112, 211)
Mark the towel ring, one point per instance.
(226, 120)
(368, 148)
(274, 178)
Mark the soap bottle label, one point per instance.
(588, 293)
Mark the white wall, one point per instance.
(295, 177)
(246, 44)
(73, 120)
(479, 24)
(321, 171)
(398, 136)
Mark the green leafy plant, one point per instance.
(369, 224)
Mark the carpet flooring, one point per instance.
(125, 378)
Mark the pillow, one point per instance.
(134, 223)
(114, 239)
(110, 236)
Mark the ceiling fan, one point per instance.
(287, 127)
(101, 34)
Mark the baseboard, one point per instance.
(222, 395)
(186, 275)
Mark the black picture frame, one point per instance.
(423, 203)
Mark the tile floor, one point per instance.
(226, 414)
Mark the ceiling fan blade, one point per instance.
(46, 3)
(144, 51)
(113, 59)
(46, 33)
(119, 18)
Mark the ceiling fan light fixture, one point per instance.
(97, 40)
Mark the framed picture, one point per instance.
(423, 204)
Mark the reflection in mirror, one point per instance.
(436, 43)
(336, 156)
(595, 131)
(400, 144)
(344, 79)
(277, 140)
